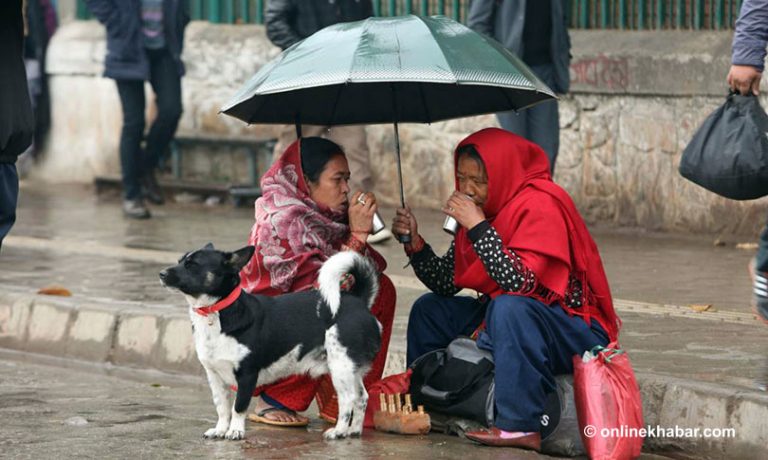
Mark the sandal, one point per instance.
(259, 417)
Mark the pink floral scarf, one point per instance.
(293, 235)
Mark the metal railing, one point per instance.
(583, 14)
(654, 14)
(252, 11)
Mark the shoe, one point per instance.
(135, 209)
(493, 437)
(150, 189)
(760, 291)
(380, 237)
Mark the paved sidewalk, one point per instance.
(146, 416)
(696, 368)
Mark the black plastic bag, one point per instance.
(728, 155)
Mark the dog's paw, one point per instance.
(235, 435)
(334, 433)
(214, 433)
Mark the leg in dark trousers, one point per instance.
(544, 119)
(436, 320)
(761, 259)
(539, 124)
(760, 275)
(760, 292)
(9, 195)
(166, 83)
(531, 342)
(131, 161)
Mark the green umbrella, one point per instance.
(384, 70)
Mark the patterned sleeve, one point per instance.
(507, 269)
(503, 266)
(435, 272)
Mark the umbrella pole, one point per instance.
(402, 238)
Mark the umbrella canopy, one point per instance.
(384, 70)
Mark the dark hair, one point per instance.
(471, 151)
(315, 153)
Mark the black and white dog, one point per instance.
(249, 340)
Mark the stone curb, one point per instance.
(70, 327)
(153, 337)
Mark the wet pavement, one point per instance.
(92, 250)
(69, 411)
(66, 235)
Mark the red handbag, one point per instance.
(608, 404)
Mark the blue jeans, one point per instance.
(9, 195)
(539, 124)
(531, 343)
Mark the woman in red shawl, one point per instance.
(302, 218)
(524, 247)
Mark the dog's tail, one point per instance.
(332, 272)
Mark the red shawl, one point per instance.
(537, 220)
(293, 234)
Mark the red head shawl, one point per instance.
(537, 220)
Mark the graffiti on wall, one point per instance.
(601, 72)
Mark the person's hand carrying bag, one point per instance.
(728, 155)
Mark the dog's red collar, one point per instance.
(221, 304)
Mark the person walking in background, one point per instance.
(41, 24)
(144, 43)
(747, 64)
(17, 123)
(290, 21)
(537, 32)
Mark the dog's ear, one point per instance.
(208, 246)
(239, 258)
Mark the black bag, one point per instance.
(728, 155)
(457, 382)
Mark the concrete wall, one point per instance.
(637, 98)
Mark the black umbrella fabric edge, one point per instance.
(268, 109)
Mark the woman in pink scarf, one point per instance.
(303, 217)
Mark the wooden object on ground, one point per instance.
(395, 416)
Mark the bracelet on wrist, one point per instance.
(355, 244)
